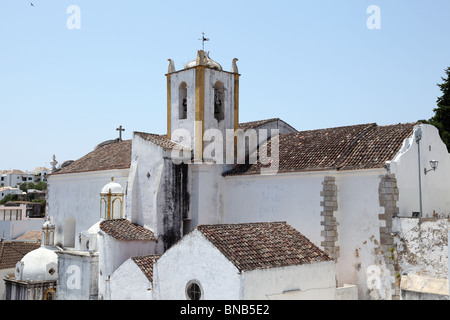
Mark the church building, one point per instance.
(130, 209)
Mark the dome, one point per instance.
(203, 59)
(112, 187)
(38, 265)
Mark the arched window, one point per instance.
(182, 97)
(219, 101)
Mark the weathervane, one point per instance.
(203, 41)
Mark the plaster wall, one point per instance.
(314, 281)
(112, 254)
(76, 198)
(294, 198)
(187, 76)
(361, 259)
(78, 275)
(195, 258)
(421, 246)
(207, 201)
(435, 186)
(144, 182)
(128, 282)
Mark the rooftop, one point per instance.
(251, 246)
(353, 147)
(145, 263)
(115, 155)
(125, 230)
(12, 252)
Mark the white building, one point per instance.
(14, 178)
(8, 190)
(347, 189)
(208, 264)
(40, 174)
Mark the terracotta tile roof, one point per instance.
(159, 140)
(31, 235)
(123, 229)
(343, 148)
(255, 124)
(145, 263)
(12, 252)
(14, 171)
(251, 246)
(115, 155)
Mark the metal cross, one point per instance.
(203, 41)
(120, 129)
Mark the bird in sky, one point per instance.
(31, 3)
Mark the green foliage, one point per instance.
(441, 118)
(41, 186)
(9, 197)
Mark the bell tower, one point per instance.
(201, 96)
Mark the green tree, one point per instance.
(441, 118)
(41, 185)
(9, 197)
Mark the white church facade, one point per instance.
(349, 192)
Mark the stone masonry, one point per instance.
(330, 225)
(388, 196)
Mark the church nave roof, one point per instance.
(352, 147)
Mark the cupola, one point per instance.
(111, 201)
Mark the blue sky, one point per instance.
(314, 64)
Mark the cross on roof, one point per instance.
(203, 41)
(120, 129)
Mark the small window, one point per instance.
(219, 95)
(194, 290)
(182, 111)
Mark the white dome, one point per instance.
(38, 265)
(112, 187)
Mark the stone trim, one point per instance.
(329, 222)
(388, 196)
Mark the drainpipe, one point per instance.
(418, 134)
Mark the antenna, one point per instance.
(203, 39)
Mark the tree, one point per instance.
(41, 185)
(441, 118)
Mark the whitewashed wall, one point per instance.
(435, 186)
(207, 202)
(77, 196)
(313, 281)
(78, 275)
(112, 254)
(128, 282)
(360, 258)
(195, 258)
(294, 198)
(187, 76)
(146, 170)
